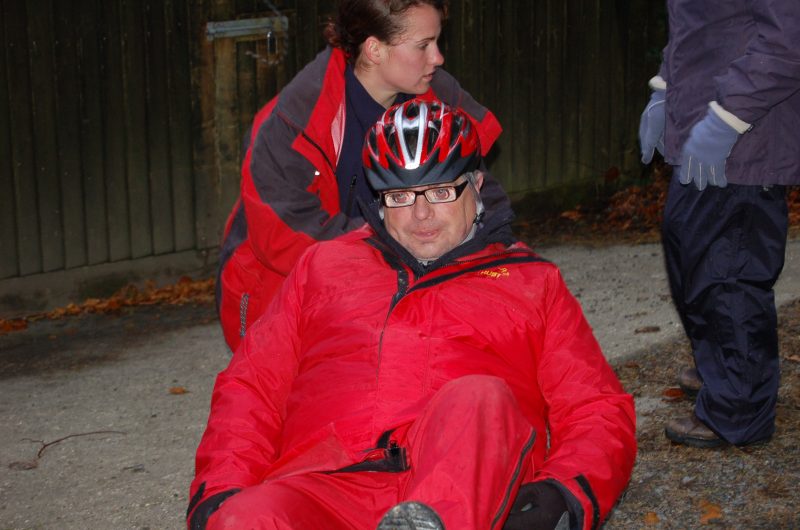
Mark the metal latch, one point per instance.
(249, 27)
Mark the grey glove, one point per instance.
(706, 151)
(651, 126)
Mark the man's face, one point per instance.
(429, 231)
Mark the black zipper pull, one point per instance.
(350, 194)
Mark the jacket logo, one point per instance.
(498, 272)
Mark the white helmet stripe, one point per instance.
(418, 122)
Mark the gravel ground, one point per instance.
(679, 487)
(101, 414)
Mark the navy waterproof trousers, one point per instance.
(724, 250)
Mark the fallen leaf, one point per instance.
(651, 518)
(177, 390)
(647, 329)
(793, 358)
(711, 512)
(15, 324)
(673, 394)
(572, 215)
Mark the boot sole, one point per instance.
(411, 516)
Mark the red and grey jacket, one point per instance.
(361, 336)
(289, 195)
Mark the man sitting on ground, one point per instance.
(424, 371)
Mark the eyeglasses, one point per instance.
(401, 198)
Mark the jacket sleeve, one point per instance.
(289, 202)
(768, 70)
(591, 419)
(242, 437)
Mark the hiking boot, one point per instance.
(411, 516)
(689, 381)
(693, 432)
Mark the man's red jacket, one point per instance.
(357, 342)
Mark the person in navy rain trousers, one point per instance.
(725, 113)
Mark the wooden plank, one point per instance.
(554, 93)
(157, 122)
(509, 95)
(92, 132)
(470, 74)
(68, 133)
(587, 100)
(43, 108)
(538, 141)
(307, 35)
(602, 73)
(246, 57)
(617, 128)
(226, 118)
(180, 122)
(519, 28)
(115, 170)
(9, 256)
(134, 116)
(281, 72)
(203, 127)
(571, 54)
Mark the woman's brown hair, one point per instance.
(357, 20)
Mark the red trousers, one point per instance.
(468, 451)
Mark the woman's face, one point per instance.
(409, 62)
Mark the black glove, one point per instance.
(539, 506)
(204, 510)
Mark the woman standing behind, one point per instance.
(302, 174)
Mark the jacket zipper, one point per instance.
(350, 194)
(402, 289)
(517, 470)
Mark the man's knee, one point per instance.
(485, 389)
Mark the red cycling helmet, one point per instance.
(419, 143)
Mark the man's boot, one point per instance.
(411, 516)
(693, 432)
(689, 381)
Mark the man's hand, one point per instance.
(651, 126)
(705, 152)
(538, 505)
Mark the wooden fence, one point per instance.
(121, 121)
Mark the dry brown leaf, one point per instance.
(647, 329)
(793, 358)
(673, 394)
(15, 324)
(572, 215)
(178, 390)
(651, 518)
(711, 512)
